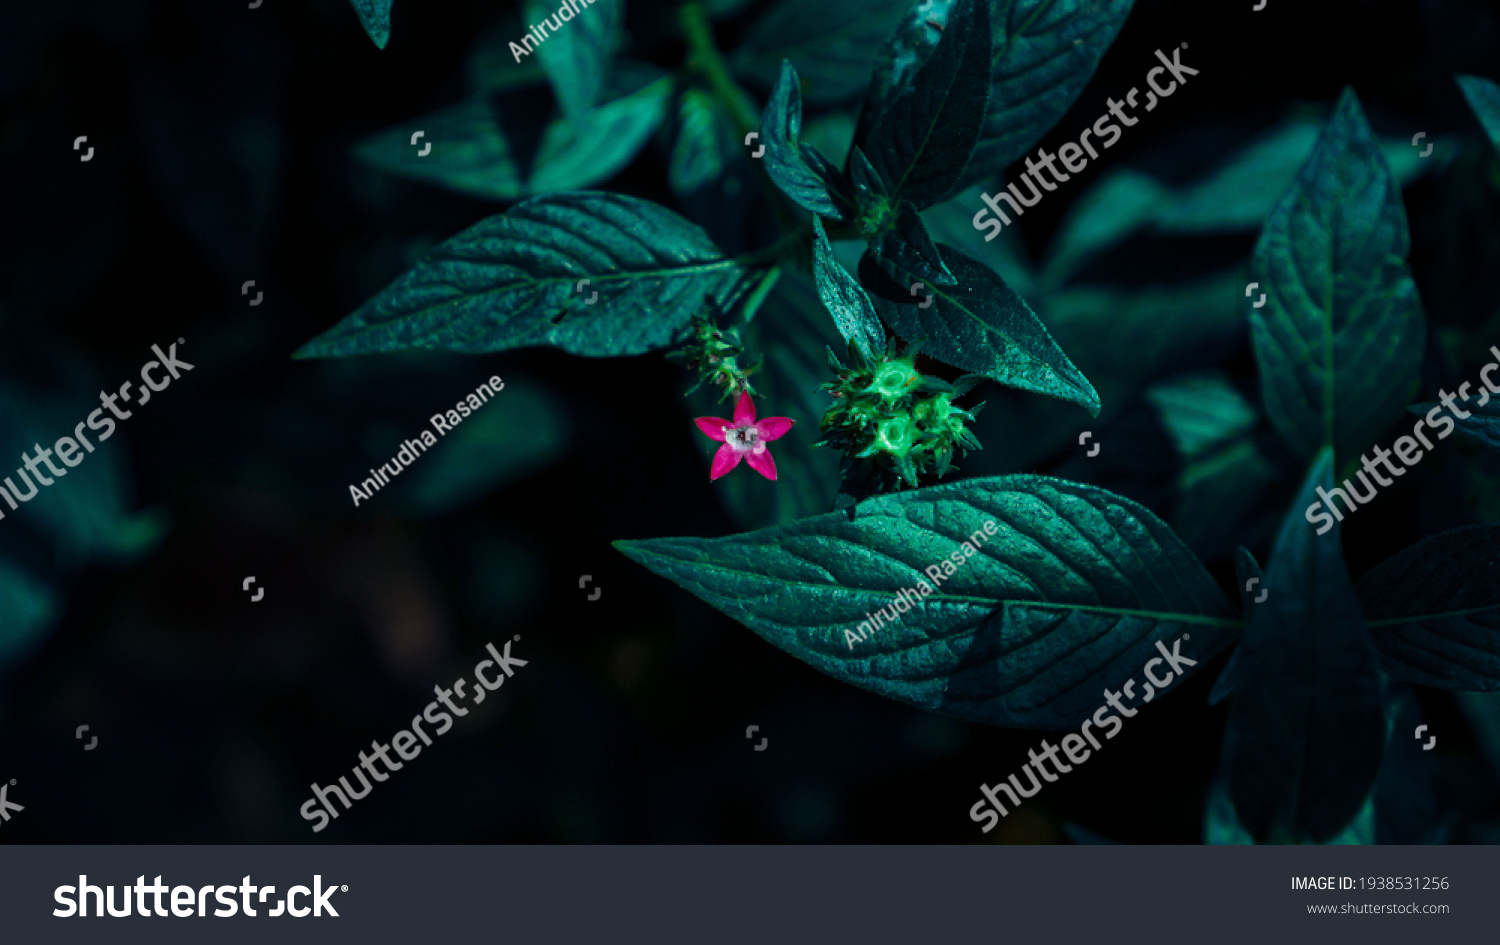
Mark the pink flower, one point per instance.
(744, 438)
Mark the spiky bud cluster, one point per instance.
(714, 352)
(893, 423)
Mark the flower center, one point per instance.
(744, 439)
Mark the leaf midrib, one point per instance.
(991, 602)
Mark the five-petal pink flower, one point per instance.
(745, 438)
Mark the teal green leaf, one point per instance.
(1068, 597)
(831, 44)
(791, 335)
(908, 247)
(512, 281)
(1434, 610)
(522, 430)
(1201, 411)
(376, 17)
(599, 143)
(28, 608)
(1043, 54)
(1482, 425)
(1306, 729)
(802, 174)
(701, 151)
(474, 156)
(980, 325)
(1236, 196)
(1484, 98)
(920, 144)
(86, 515)
(1222, 826)
(846, 301)
(577, 52)
(1339, 341)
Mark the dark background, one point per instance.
(222, 139)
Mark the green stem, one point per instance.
(757, 296)
(704, 58)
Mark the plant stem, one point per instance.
(704, 58)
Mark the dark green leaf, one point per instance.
(576, 49)
(376, 17)
(1251, 581)
(1043, 54)
(909, 248)
(599, 143)
(523, 430)
(846, 301)
(1305, 729)
(1201, 411)
(1481, 426)
(512, 281)
(831, 44)
(1434, 610)
(800, 172)
(1238, 195)
(1339, 340)
(980, 325)
(921, 143)
(1068, 597)
(1484, 98)
(28, 608)
(702, 147)
(472, 155)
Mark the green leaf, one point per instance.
(1339, 341)
(599, 143)
(1482, 425)
(1201, 411)
(577, 51)
(701, 150)
(908, 247)
(1065, 596)
(472, 155)
(523, 430)
(28, 608)
(921, 143)
(376, 17)
(801, 172)
(846, 301)
(1434, 610)
(1484, 98)
(512, 281)
(1305, 731)
(831, 44)
(86, 516)
(791, 334)
(1043, 54)
(980, 325)
(1236, 196)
